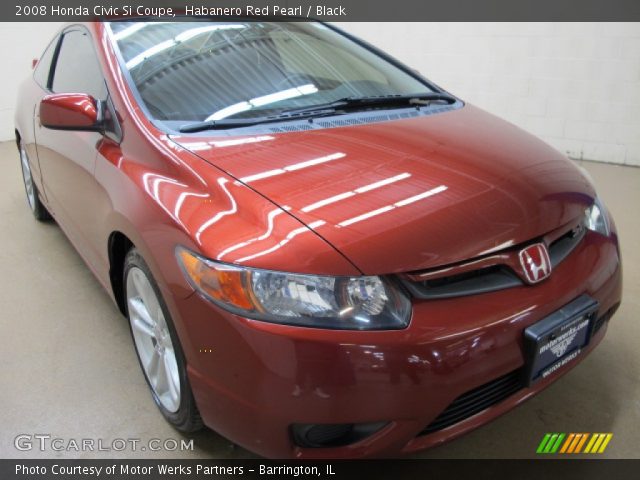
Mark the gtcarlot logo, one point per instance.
(27, 442)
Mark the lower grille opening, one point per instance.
(463, 407)
(332, 434)
(493, 392)
(477, 400)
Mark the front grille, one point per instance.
(563, 246)
(477, 400)
(492, 277)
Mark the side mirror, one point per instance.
(71, 111)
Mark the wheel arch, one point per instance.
(118, 246)
(122, 236)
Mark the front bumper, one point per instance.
(252, 380)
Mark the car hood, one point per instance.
(410, 194)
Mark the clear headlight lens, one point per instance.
(595, 218)
(354, 303)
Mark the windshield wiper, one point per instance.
(318, 110)
(352, 103)
(225, 123)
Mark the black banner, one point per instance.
(577, 469)
(328, 10)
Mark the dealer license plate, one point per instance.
(559, 338)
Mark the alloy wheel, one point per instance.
(153, 340)
(28, 180)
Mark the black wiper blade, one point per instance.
(319, 110)
(222, 124)
(349, 103)
(227, 123)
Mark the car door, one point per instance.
(67, 158)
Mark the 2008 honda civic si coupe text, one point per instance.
(320, 253)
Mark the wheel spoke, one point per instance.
(143, 327)
(26, 175)
(162, 386)
(153, 368)
(25, 162)
(141, 313)
(172, 381)
(148, 297)
(159, 317)
(138, 282)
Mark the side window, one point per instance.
(77, 69)
(41, 73)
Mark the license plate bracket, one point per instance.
(558, 338)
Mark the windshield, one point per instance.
(203, 71)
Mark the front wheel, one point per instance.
(33, 199)
(157, 346)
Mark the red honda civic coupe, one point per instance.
(321, 253)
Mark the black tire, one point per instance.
(33, 197)
(187, 417)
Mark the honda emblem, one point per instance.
(535, 262)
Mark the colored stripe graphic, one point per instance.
(550, 443)
(581, 442)
(567, 442)
(606, 441)
(573, 443)
(555, 447)
(543, 443)
(590, 444)
(599, 442)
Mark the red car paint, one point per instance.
(67, 111)
(466, 186)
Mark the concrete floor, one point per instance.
(68, 366)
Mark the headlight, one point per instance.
(595, 218)
(354, 303)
